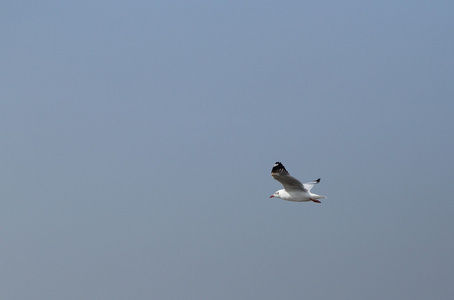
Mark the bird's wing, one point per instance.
(308, 186)
(289, 182)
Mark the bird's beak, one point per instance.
(272, 196)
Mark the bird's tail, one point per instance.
(315, 196)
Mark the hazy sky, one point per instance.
(137, 140)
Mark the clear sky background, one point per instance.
(137, 140)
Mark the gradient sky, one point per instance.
(138, 139)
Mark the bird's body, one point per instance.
(297, 196)
(293, 189)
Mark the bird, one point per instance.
(293, 189)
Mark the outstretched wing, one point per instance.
(308, 186)
(289, 182)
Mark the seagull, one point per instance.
(293, 189)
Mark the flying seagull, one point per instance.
(293, 189)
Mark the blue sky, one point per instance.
(138, 139)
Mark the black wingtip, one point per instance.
(317, 180)
(279, 168)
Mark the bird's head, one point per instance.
(276, 194)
